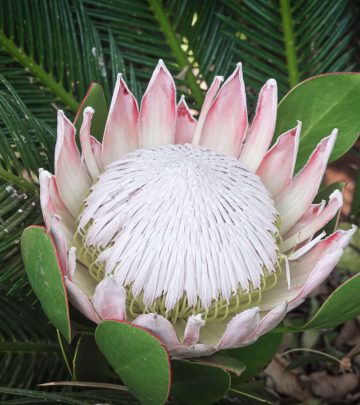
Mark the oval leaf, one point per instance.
(138, 357)
(43, 271)
(322, 103)
(94, 98)
(198, 384)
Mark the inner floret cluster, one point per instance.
(185, 229)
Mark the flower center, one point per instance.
(184, 229)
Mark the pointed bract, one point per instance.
(262, 129)
(71, 175)
(60, 243)
(277, 167)
(86, 144)
(109, 299)
(160, 327)
(306, 227)
(293, 202)
(185, 123)
(81, 301)
(158, 110)
(226, 123)
(121, 132)
(307, 272)
(209, 98)
(192, 330)
(51, 203)
(270, 320)
(240, 329)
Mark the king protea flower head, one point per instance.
(196, 230)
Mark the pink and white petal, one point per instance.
(188, 352)
(51, 203)
(60, 242)
(306, 247)
(270, 320)
(319, 274)
(338, 240)
(86, 144)
(293, 202)
(277, 167)
(321, 259)
(82, 278)
(312, 212)
(80, 301)
(262, 128)
(71, 175)
(185, 123)
(309, 226)
(159, 326)
(71, 263)
(226, 123)
(121, 133)
(158, 110)
(240, 329)
(96, 148)
(192, 330)
(209, 98)
(109, 299)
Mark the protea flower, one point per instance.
(193, 230)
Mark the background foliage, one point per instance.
(52, 50)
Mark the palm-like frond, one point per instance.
(26, 144)
(17, 210)
(51, 52)
(290, 41)
(29, 350)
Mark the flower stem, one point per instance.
(289, 41)
(46, 79)
(174, 44)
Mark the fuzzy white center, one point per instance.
(181, 221)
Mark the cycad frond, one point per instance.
(290, 41)
(29, 350)
(52, 56)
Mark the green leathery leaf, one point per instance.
(322, 103)
(255, 356)
(138, 357)
(94, 98)
(198, 384)
(342, 305)
(324, 194)
(45, 277)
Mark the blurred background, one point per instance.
(50, 53)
